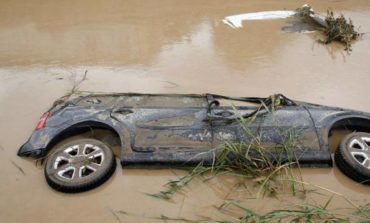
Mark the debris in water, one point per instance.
(305, 11)
(235, 21)
(308, 15)
(115, 215)
(335, 29)
(18, 167)
(340, 29)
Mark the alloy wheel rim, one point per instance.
(359, 148)
(78, 161)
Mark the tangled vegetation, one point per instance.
(340, 29)
(270, 168)
(268, 171)
(301, 213)
(337, 29)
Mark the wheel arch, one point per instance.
(83, 127)
(350, 122)
(355, 123)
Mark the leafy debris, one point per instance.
(340, 29)
(337, 29)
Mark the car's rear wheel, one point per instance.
(80, 165)
(353, 156)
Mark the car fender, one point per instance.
(42, 140)
(350, 120)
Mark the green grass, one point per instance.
(174, 186)
(364, 212)
(300, 213)
(250, 160)
(263, 175)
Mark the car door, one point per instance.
(273, 129)
(172, 123)
(229, 128)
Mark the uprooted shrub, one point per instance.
(337, 29)
(340, 29)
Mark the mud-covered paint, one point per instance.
(164, 128)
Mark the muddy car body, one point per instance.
(184, 129)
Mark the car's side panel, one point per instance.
(232, 131)
(168, 129)
(271, 127)
(291, 127)
(288, 128)
(172, 129)
(326, 118)
(61, 124)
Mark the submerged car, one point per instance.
(174, 129)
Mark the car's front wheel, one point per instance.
(80, 165)
(353, 156)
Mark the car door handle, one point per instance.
(215, 117)
(122, 111)
(225, 114)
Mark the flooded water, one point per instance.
(166, 46)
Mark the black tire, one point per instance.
(79, 165)
(348, 159)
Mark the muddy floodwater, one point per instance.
(162, 46)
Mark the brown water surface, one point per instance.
(166, 46)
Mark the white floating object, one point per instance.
(235, 21)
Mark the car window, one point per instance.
(233, 103)
(159, 101)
